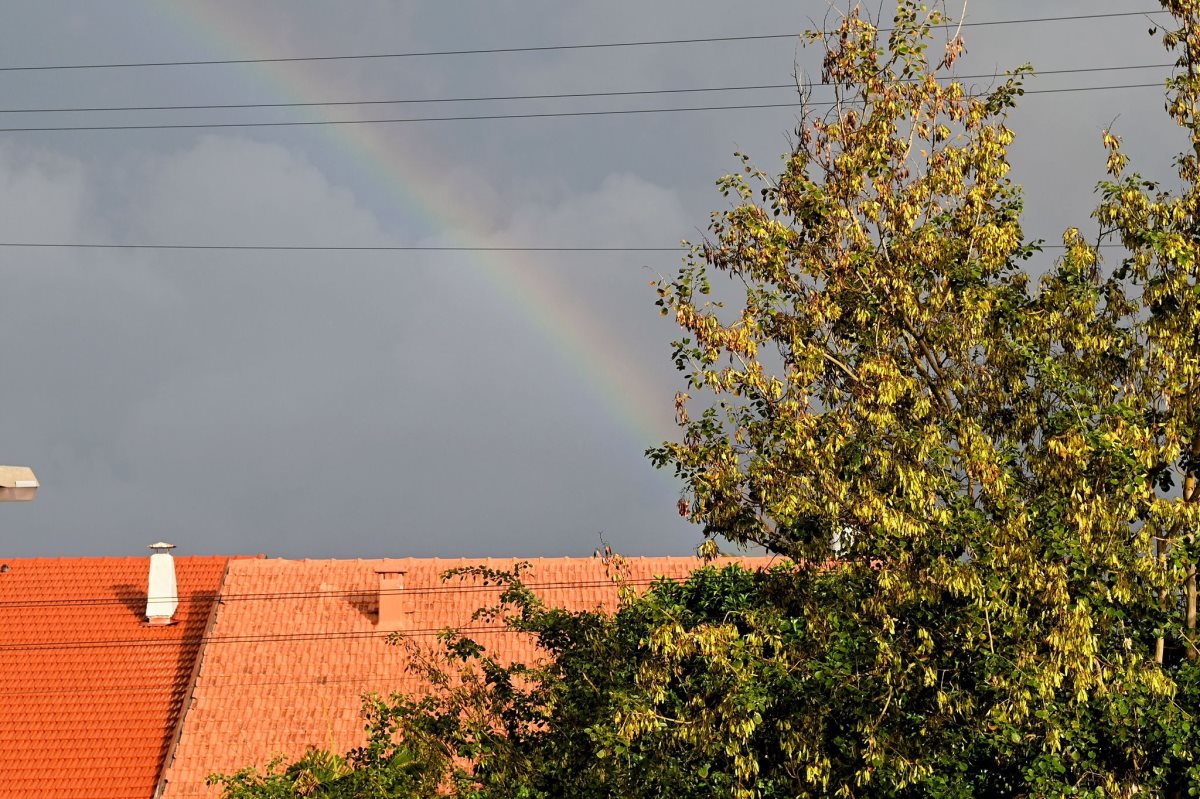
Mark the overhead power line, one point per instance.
(396, 120)
(475, 117)
(48, 245)
(500, 97)
(356, 593)
(293, 636)
(536, 48)
(209, 684)
(260, 638)
(323, 248)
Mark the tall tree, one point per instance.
(994, 459)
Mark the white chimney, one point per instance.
(162, 596)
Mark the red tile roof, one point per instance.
(295, 644)
(89, 695)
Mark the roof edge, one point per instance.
(190, 693)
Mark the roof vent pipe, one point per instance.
(162, 595)
(392, 611)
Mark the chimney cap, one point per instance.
(161, 545)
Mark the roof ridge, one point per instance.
(190, 689)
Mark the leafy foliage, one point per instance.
(382, 769)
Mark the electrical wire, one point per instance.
(324, 248)
(543, 48)
(354, 248)
(491, 98)
(352, 593)
(358, 594)
(390, 121)
(137, 643)
(212, 683)
(208, 683)
(477, 117)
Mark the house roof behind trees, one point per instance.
(295, 644)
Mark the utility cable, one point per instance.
(249, 638)
(542, 48)
(208, 683)
(476, 117)
(491, 98)
(324, 248)
(352, 248)
(349, 593)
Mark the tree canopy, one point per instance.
(984, 485)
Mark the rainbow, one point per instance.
(619, 387)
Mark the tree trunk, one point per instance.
(1190, 613)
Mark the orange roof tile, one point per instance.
(89, 695)
(295, 644)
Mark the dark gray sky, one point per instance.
(408, 404)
